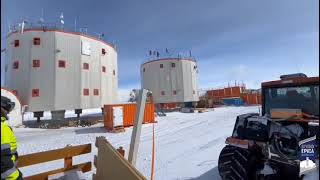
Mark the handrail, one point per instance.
(66, 153)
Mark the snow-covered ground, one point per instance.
(187, 145)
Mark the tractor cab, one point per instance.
(295, 98)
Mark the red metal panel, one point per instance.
(169, 105)
(216, 92)
(253, 99)
(129, 114)
(228, 92)
(259, 99)
(236, 91)
(209, 92)
(108, 117)
(245, 98)
(221, 92)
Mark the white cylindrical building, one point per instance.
(171, 80)
(54, 70)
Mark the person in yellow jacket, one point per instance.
(9, 155)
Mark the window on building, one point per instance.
(174, 92)
(194, 92)
(96, 92)
(163, 93)
(6, 68)
(62, 64)
(36, 63)
(86, 66)
(15, 92)
(173, 65)
(36, 41)
(144, 69)
(35, 93)
(103, 51)
(15, 65)
(86, 92)
(103, 69)
(161, 65)
(16, 43)
(114, 72)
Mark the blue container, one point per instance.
(236, 101)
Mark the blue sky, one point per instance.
(232, 40)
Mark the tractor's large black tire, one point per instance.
(235, 164)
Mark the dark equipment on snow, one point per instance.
(267, 146)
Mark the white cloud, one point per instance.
(239, 72)
(124, 95)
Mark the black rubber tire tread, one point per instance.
(233, 163)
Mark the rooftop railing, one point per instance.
(58, 26)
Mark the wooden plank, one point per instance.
(112, 165)
(68, 162)
(136, 132)
(85, 167)
(41, 157)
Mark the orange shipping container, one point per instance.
(129, 114)
(221, 92)
(253, 99)
(169, 105)
(228, 92)
(259, 99)
(211, 93)
(215, 93)
(245, 98)
(236, 91)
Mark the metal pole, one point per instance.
(75, 25)
(135, 138)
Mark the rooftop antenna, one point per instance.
(61, 20)
(9, 27)
(41, 20)
(22, 25)
(75, 24)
